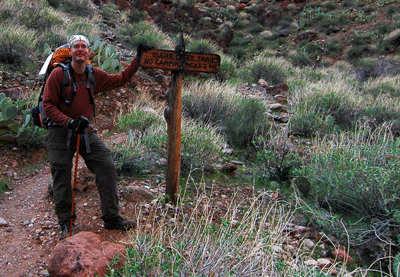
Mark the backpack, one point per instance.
(62, 58)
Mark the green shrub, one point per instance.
(306, 125)
(300, 59)
(16, 44)
(201, 46)
(39, 19)
(52, 39)
(137, 120)
(391, 41)
(54, 3)
(246, 122)
(5, 15)
(272, 70)
(136, 15)
(209, 101)
(227, 70)
(367, 68)
(83, 8)
(110, 11)
(201, 145)
(340, 107)
(142, 32)
(391, 10)
(354, 180)
(379, 114)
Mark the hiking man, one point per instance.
(70, 110)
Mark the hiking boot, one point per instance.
(119, 223)
(64, 231)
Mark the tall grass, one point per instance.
(198, 238)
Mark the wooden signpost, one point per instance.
(177, 61)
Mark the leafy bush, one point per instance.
(54, 3)
(201, 145)
(39, 19)
(272, 70)
(83, 8)
(110, 11)
(300, 59)
(142, 32)
(277, 158)
(209, 101)
(306, 125)
(138, 120)
(246, 122)
(201, 46)
(317, 107)
(136, 15)
(355, 179)
(379, 114)
(340, 107)
(16, 44)
(227, 70)
(391, 41)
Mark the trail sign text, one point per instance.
(172, 60)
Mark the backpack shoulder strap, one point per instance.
(90, 79)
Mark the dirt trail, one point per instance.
(31, 233)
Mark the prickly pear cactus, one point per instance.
(10, 128)
(107, 57)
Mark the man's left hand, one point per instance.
(142, 48)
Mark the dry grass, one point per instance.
(244, 236)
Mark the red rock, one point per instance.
(342, 256)
(83, 255)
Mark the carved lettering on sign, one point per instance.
(171, 60)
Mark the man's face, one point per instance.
(79, 51)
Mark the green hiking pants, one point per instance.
(99, 161)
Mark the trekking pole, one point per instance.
(78, 138)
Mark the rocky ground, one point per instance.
(29, 230)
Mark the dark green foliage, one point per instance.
(278, 163)
(5, 14)
(271, 72)
(38, 19)
(246, 123)
(201, 46)
(137, 120)
(306, 125)
(367, 68)
(110, 11)
(379, 114)
(14, 49)
(339, 107)
(300, 59)
(136, 15)
(227, 71)
(78, 8)
(52, 39)
(392, 10)
(54, 3)
(384, 88)
(358, 52)
(208, 107)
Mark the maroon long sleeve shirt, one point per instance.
(60, 112)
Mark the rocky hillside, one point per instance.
(318, 32)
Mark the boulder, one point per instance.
(137, 194)
(84, 254)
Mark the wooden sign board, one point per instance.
(172, 60)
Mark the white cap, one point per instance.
(75, 38)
